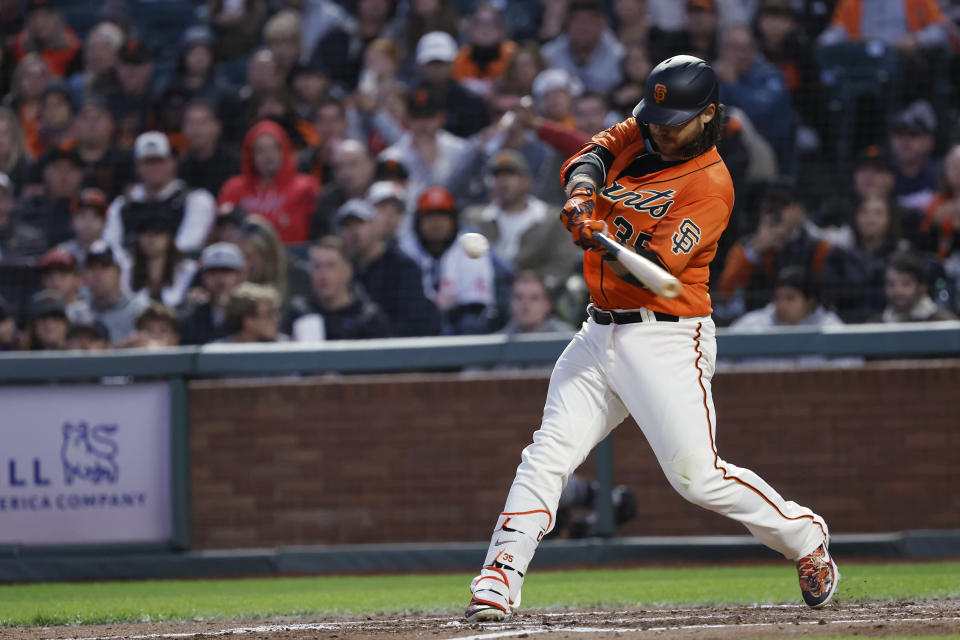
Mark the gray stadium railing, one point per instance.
(179, 364)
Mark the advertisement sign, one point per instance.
(84, 464)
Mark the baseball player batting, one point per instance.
(657, 183)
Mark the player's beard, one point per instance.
(708, 137)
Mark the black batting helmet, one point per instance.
(677, 89)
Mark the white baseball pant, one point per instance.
(658, 372)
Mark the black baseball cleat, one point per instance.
(818, 577)
(482, 611)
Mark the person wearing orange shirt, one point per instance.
(658, 185)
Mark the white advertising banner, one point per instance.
(85, 464)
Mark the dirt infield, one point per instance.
(876, 619)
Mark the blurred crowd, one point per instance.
(187, 172)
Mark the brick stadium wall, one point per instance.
(430, 457)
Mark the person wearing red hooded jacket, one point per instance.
(269, 185)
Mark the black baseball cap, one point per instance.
(423, 103)
(46, 304)
(135, 51)
(100, 254)
(874, 157)
(89, 326)
(63, 151)
(391, 169)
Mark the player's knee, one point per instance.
(702, 485)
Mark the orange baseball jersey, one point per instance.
(672, 213)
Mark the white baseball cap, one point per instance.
(385, 190)
(222, 255)
(151, 144)
(552, 79)
(436, 46)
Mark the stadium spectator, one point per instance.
(353, 173)
(236, 24)
(426, 16)
(520, 226)
(88, 219)
(391, 279)
(748, 81)
(465, 111)
(591, 113)
(852, 277)
(88, 334)
(55, 126)
(133, 102)
(253, 315)
(319, 17)
(337, 308)
(263, 75)
(160, 194)
(268, 261)
(554, 91)
(106, 165)
(780, 240)
(100, 58)
(912, 143)
(795, 303)
(330, 123)
(222, 270)
(280, 106)
(282, 33)
(160, 272)
(50, 208)
(905, 286)
(208, 162)
(310, 88)
(59, 275)
(10, 338)
(17, 240)
(531, 309)
(115, 307)
(631, 21)
(269, 185)
(873, 174)
(941, 220)
(697, 36)
(488, 51)
(340, 51)
(30, 77)
(156, 328)
(14, 158)
(432, 155)
(195, 75)
(48, 323)
(517, 81)
(636, 67)
(389, 201)
(588, 48)
(46, 34)
(460, 286)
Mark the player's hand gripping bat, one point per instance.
(651, 275)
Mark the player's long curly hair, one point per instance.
(710, 136)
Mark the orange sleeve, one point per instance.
(737, 271)
(688, 229)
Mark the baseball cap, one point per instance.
(46, 304)
(6, 182)
(134, 51)
(88, 325)
(197, 34)
(917, 118)
(702, 5)
(222, 255)
(508, 160)
(151, 144)
(100, 253)
(230, 213)
(91, 198)
(58, 258)
(423, 103)
(874, 157)
(391, 168)
(552, 79)
(385, 190)
(436, 46)
(436, 199)
(356, 208)
(63, 151)
(586, 5)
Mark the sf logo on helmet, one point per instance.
(659, 93)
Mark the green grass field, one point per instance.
(87, 603)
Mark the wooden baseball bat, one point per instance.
(653, 276)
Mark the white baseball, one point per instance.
(474, 245)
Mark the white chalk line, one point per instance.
(514, 631)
